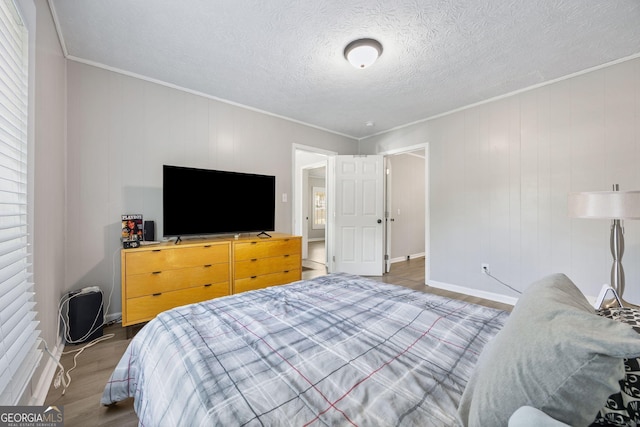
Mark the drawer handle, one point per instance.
(156, 250)
(286, 271)
(207, 285)
(254, 277)
(207, 265)
(156, 272)
(158, 294)
(254, 243)
(207, 246)
(286, 256)
(254, 259)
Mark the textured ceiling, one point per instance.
(286, 57)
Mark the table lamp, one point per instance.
(613, 205)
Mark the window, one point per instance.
(19, 354)
(319, 208)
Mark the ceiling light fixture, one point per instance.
(363, 52)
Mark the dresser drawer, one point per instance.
(145, 308)
(260, 266)
(169, 280)
(259, 282)
(175, 258)
(267, 248)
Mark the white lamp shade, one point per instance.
(605, 205)
(362, 53)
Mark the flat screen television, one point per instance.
(206, 201)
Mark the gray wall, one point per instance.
(121, 130)
(48, 151)
(407, 205)
(500, 173)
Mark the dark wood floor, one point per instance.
(94, 365)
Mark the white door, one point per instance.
(358, 221)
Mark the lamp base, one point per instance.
(613, 303)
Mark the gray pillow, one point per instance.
(555, 354)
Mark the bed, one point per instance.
(346, 350)
(336, 350)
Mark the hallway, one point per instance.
(314, 265)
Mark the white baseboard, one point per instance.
(113, 316)
(484, 294)
(401, 259)
(44, 383)
(474, 292)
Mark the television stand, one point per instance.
(264, 233)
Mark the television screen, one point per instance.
(205, 201)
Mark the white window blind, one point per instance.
(19, 354)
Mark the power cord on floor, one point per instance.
(63, 378)
(58, 379)
(62, 374)
(486, 271)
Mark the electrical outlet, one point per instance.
(485, 268)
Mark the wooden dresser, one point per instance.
(159, 277)
(259, 263)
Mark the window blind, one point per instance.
(19, 354)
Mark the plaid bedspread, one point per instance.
(336, 350)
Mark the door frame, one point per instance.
(297, 183)
(297, 190)
(427, 231)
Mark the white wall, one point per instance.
(122, 129)
(500, 173)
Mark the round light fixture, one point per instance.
(363, 52)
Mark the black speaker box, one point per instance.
(149, 230)
(85, 315)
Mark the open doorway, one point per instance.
(406, 224)
(314, 196)
(407, 215)
(310, 207)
